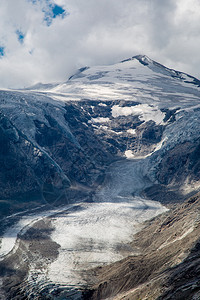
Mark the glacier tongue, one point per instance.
(98, 233)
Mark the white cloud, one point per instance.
(95, 32)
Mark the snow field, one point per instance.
(144, 111)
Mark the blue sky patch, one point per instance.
(2, 51)
(20, 36)
(58, 11)
(50, 10)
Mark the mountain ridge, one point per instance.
(143, 59)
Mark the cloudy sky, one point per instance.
(47, 40)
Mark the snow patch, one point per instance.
(145, 112)
(102, 104)
(160, 144)
(131, 131)
(129, 154)
(99, 120)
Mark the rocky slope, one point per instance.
(46, 150)
(167, 263)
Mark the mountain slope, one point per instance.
(167, 263)
(143, 107)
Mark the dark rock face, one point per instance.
(93, 150)
(42, 169)
(13, 155)
(150, 132)
(179, 163)
(24, 170)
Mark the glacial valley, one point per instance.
(99, 185)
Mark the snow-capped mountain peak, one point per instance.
(159, 68)
(138, 78)
(144, 59)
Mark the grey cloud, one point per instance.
(96, 32)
